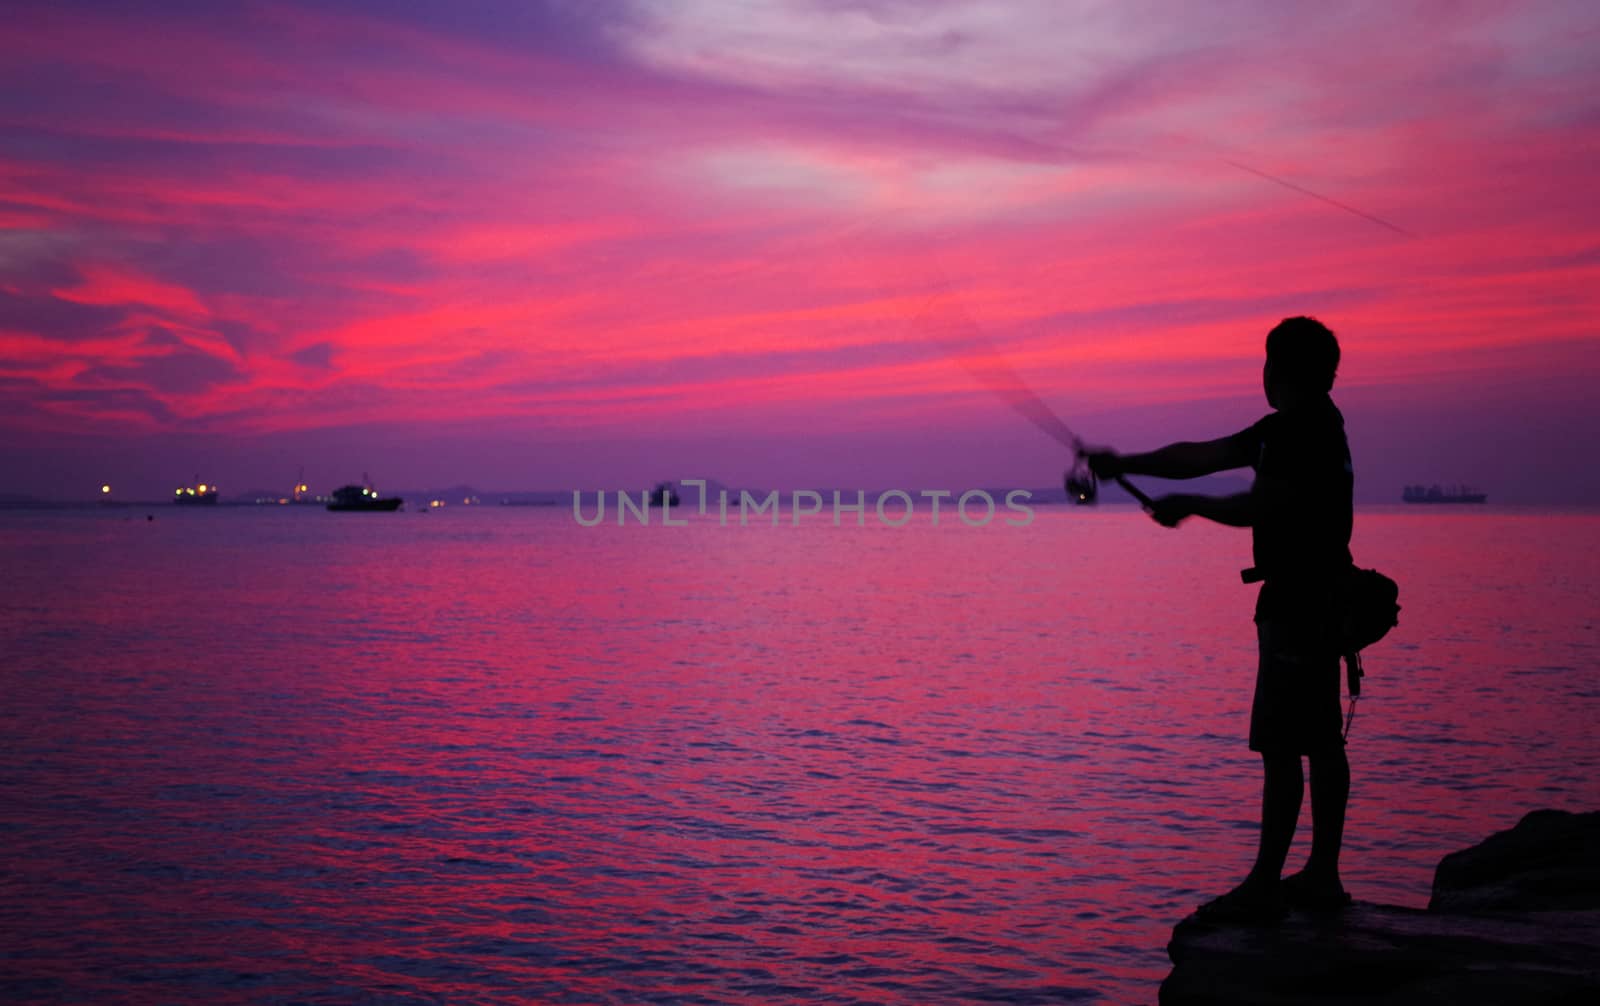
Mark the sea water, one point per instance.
(487, 755)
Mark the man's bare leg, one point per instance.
(1260, 898)
(1281, 794)
(1330, 794)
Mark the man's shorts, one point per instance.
(1296, 708)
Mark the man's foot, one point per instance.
(1312, 893)
(1250, 903)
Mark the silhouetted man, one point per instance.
(1299, 513)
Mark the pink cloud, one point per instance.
(110, 285)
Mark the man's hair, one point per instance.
(1303, 353)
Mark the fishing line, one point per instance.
(1317, 195)
(982, 358)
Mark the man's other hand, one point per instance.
(1104, 462)
(1169, 511)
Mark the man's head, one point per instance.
(1302, 358)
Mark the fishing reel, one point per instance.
(1082, 486)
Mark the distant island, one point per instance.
(1438, 494)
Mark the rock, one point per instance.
(1550, 860)
(1513, 919)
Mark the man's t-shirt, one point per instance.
(1300, 537)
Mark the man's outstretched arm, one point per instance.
(1177, 461)
(1237, 510)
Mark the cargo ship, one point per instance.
(196, 493)
(302, 492)
(1439, 494)
(363, 497)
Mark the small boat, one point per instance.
(363, 497)
(1438, 494)
(665, 494)
(196, 493)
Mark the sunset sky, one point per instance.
(541, 245)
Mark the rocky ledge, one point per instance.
(1515, 918)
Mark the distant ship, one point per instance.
(664, 495)
(302, 492)
(1438, 494)
(195, 494)
(362, 497)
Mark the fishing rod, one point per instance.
(991, 369)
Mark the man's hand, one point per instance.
(1169, 511)
(1104, 462)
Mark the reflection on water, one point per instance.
(490, 756)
